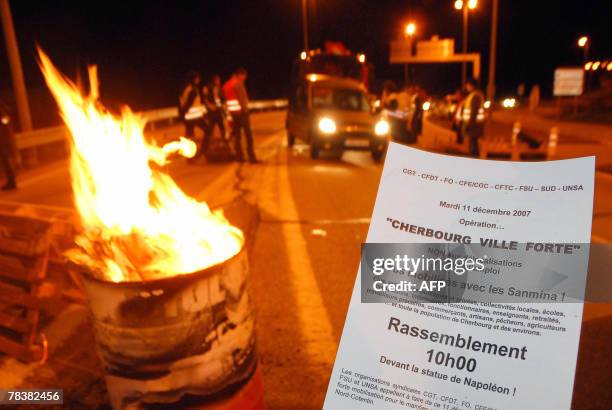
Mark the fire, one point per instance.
(136, 223)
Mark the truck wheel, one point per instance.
(377, 155)
(314, 150)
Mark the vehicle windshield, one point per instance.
(339, 99)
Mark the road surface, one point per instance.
(304, 253)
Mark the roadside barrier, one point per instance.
(44, 136)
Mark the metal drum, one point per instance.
(182, 341)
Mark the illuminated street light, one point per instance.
(609, 68)
(596, 65)
(458, 4)
(409, 32)
(303, 55)
(361, 58)
(472, 4)
(410, 29)
(582, 41)
(587, 66)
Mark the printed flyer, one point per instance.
(505, 337)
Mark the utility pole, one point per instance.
(21, 96)
(464, 44)
(305, 23)
(492, 57)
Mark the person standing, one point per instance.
(237, 101)
(472, 115)
(213, 99)
(395, 114)
(6, 148)
(416, 113)
(191, 108)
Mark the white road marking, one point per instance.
(314, 321)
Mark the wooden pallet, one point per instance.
(24, 254)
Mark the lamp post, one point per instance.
(409, 32)
(21, 96)
(584, 42)
(492, 57)
(465, 6)
(305, 24)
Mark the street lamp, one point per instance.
(584, 42)
(409, 31)
(465, 6)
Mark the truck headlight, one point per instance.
(381, 128)
(327, 125)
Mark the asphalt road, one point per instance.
(304, 253)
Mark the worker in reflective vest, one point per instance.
(472, 115)
(237, 103)
(213, 99)
(192, 109)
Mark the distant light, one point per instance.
(377, 104)
(609, 68)
(472, 4)
(361, 58)
(596, 65)
(303, 55)
(509, 103)
(313, 77)
(487, 104)
(582, 41)
(426, 106)
(588, 65)
(410, 29)
(458, 4)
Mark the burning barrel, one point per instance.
(166, 278)
(182, 340)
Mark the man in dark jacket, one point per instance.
(192, 110)
(472, 116)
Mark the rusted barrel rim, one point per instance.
(186, 277)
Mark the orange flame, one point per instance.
(137, 224)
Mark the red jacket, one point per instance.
(235, 96)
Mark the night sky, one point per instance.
(144, 48)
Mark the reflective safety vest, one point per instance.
(195, 112)
(231, 97)
(197, 109)
(233, 105)
(464, 112)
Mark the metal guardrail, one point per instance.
(43, 136)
